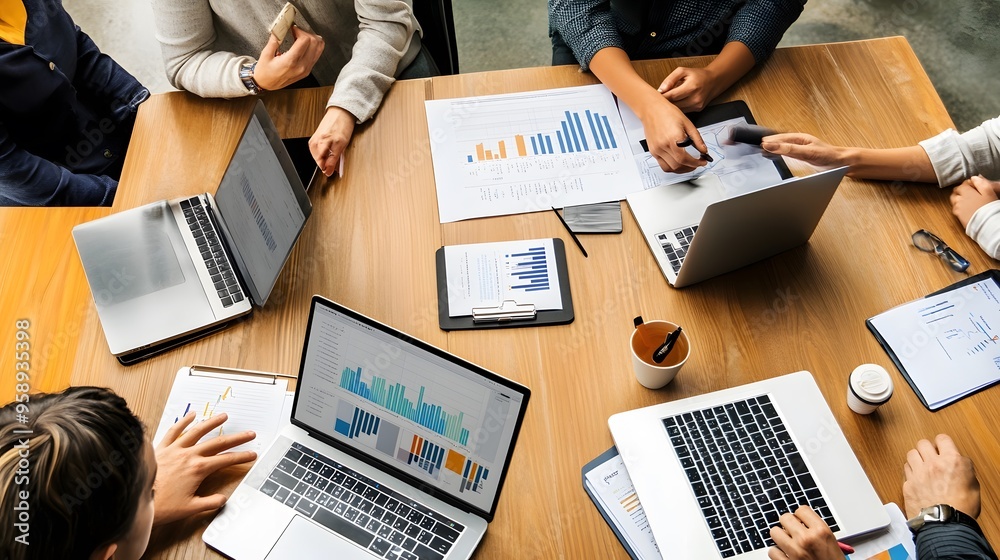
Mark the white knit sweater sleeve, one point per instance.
(186, 32)
(386, 31)
(984, 228)
(956, 157)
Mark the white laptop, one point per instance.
(167, 272)
(396, 450)
(714, 472)
(696, 232)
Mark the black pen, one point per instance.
(661, 353)
(571, 234)
(689, 142)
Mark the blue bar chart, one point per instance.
(530, 269)
(393, 397)
(571, 137)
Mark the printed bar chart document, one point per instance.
(740, 168)
(607, 483)
(527, 152)
(947, 344)
(251, 405)
(487, 274)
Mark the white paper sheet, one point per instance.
(897, 544)
(740, 168)
(487, 274)
(613, 487)
(948, 344)
(525, 152)
(250, 406)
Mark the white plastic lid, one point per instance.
(871, 383)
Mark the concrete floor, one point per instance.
(956, 41)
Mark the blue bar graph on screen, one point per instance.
(529, 270)
(363, 422)
(392, 397)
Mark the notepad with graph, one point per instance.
(253, 402)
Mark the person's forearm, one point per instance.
(612, 66)
(733, 63)
(896, 164)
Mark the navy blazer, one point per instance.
(66, 114)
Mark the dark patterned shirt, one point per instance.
(670, 28)
(952, 541)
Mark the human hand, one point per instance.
(939, 474)
(690, 89)
(806, 148)
(331, 138)
(276, 69)
(803, 536)
(665, 125)
(183, 463)
(971, 196)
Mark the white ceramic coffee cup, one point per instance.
(650, 374)
(869, 387)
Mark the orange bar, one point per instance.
(503, 150)
(472, 472)
(413, 446)
(479, 152)
(521, 150)
(489, 154)
(454, 462)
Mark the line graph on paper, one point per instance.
(964, 333)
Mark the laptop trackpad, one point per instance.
(304, 540)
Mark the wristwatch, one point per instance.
(941, 513)
(246, 76)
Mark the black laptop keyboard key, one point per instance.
(323, 489)
(424, 553)
(210, 248)
(745, 471)
(445, 532)
(343, 527)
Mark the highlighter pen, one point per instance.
(845, 548)
(688, 142)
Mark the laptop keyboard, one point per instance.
(675, 244)
(226, 285)
(745, 471)
(352, 505)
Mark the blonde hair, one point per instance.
(71, 475)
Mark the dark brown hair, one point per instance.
(84, 475)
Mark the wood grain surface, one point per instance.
(370, 245)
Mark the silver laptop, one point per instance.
(714, 472)
(696, 232)
(396, 450)
(170, 271)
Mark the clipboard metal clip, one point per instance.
(235, 374)
(509, 310)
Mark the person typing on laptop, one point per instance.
(85, 483)
(946, 159)
(941, 497)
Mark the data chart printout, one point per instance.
(254, 406)
(525, 152)
(740, 168)
(948, 344)
(487, 274)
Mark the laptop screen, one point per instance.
(263, 207)
(415, 409)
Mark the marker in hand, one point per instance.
(688, 142)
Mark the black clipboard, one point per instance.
(989, 274)
(562, 316)
(600, 460)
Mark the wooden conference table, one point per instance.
(370, 245)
